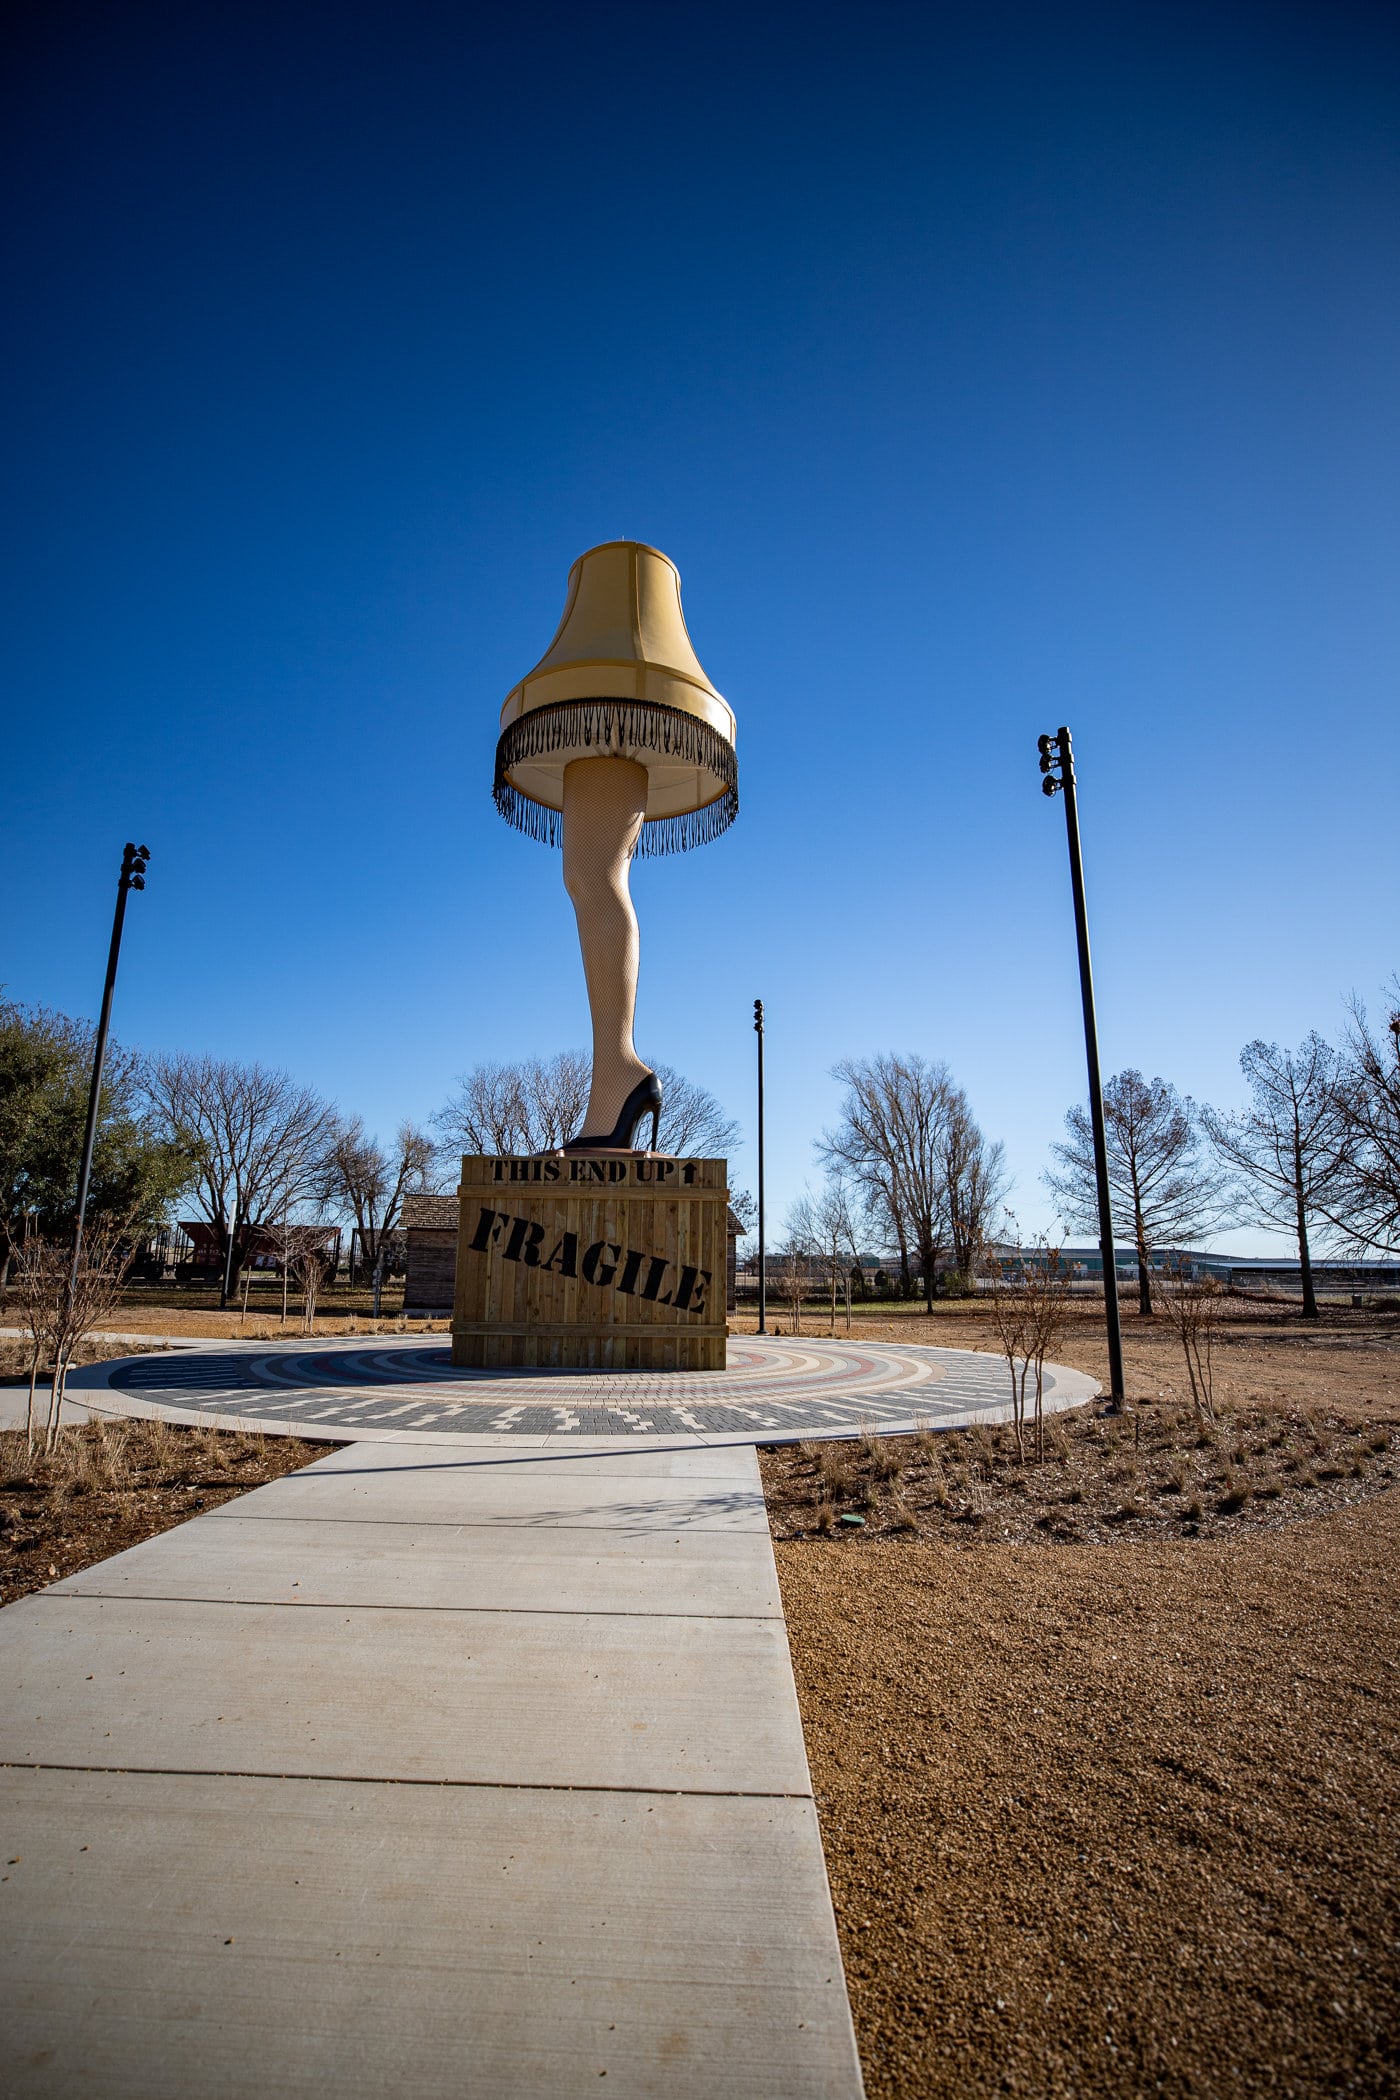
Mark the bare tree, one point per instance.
(258, 1141)
(1191, 1299)
(368, 1184)
(693, 1124)
(538, 1104)
(1289, 1147)
(283, 1239)
(890, 1139)
(822, 1230)
(41, 1270)
(1048, 1305)
(795, 1259)
(486, 1115)
(1014, 1320)
(309, 1267)
(1366, 1201)
(1160, 1176)
(929, 1177)
(79, 1300)
(975, 1175)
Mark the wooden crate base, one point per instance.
(592, 1262)
(576, 1348)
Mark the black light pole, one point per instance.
(762, 1241)
(132, 877)
(227, 1283)
(1056, 752)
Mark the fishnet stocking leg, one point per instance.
(604, 803)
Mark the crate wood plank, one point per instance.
(612, 1261)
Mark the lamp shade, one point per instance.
(621, 679)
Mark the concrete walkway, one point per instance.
(427, 1771)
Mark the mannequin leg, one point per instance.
(604, 803)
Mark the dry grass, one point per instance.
(202, 1323)
(14, 1357)
(109, 1484)
(1157, 1473)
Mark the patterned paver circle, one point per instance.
(772, 1387)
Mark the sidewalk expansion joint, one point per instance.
(490, 1786)
(629, 1531)
(500, 1611)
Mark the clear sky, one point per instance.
(981, 368)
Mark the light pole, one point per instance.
(762, 1240)
(1057, 765)
(227, 1283)
(132, 877)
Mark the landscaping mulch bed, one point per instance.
(108, 1485)
(1156, 1472)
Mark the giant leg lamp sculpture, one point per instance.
(617, 744)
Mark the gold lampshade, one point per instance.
(621, 679)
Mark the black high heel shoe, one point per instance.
(646, 1094)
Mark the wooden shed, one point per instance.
(430, 1228)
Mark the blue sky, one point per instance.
(981, 369)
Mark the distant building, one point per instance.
(262, 1246)
(880, 1273)
(430, 1228)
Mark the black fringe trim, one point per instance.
(633, 725)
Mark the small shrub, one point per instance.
(112, 1439)
(158, 1444)
(836, 1473)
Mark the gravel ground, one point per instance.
(1115, 1815)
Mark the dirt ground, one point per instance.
(1115, 1813)
(111, 1484)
